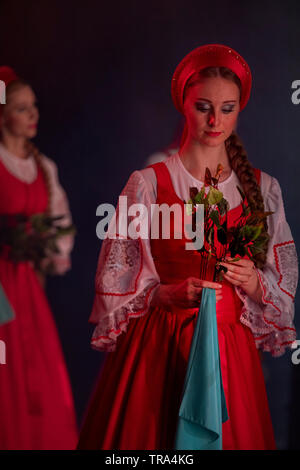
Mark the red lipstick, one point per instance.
(213, 134)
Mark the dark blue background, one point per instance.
(102, 75)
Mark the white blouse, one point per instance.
(25, 169)
(126, 276)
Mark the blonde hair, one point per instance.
(31, 148)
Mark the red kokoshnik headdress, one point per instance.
(7, 74)
(210, 55)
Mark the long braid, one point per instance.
(34, 151)
(245, 173)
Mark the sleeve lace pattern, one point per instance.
(59, 206)
(120, 265)
(126, 277)
(272, 322)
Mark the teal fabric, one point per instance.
(203, 406)
(6, 312)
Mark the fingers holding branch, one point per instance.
(239, 273)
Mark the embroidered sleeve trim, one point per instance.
(120, 266)
(269, 335)
(266, 300)
(285, 254)
(109, 328)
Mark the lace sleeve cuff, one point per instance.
(113, 325)
(272, 322)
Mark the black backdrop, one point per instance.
(102, 74)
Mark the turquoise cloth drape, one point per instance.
(203, 406)
(6, 311)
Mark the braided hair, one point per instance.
(240, 164)
(238, 158)
(33, 151)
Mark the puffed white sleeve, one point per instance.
(59, 205)
(126, 277)
(272, 321)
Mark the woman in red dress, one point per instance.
(36, 404)
(148, 291)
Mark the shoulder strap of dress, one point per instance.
(164, 182)
(163, 177)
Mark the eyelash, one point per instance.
(24, 108)
(204, 110)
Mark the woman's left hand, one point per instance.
(242, 273)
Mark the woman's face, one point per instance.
(20, 115)
(211, 106)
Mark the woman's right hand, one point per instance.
(187, 294)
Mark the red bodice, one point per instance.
(36, 404)
(174, 263)
(18, 197)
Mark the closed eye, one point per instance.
(228, 109)
(204, 109)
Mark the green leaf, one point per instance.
(251, 232)
(223, 206)
(256, 232)
(200, 196)
(206, 203)
(32, 238)
(214, 215)
(214, 196)
(189, 207)
(246, 211)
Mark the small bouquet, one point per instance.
(32, 238)
(245, 238)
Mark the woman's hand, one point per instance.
(187, 294)
(242, 273)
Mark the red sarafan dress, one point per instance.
(136, 401)
(36, 404)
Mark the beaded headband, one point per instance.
(210, 55)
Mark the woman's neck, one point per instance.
(196, 158)
(15, 145)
